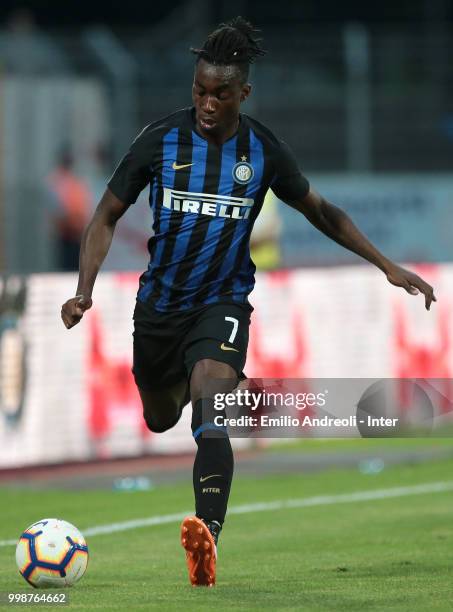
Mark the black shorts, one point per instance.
(168, 345)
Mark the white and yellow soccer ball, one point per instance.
(52, 554)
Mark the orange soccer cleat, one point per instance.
(201, 551)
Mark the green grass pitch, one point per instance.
(385, 554)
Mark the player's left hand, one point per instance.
(411, 282)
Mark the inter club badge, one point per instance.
(243, 172)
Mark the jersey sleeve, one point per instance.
(289, 183)
(134, 171)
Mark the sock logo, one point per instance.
(211, 490)
(203, 478)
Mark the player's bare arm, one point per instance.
(96, 242)
(338, 226)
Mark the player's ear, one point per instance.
(245, 91)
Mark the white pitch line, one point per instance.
(320, 500)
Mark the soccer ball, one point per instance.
(52, 554)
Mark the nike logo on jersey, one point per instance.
(228, 348)
(208, 204)
(180, 166)
(203, 478)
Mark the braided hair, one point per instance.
(232, 43)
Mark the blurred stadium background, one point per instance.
(362, 92)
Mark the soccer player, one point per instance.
(209, 168)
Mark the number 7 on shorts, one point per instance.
(234, 330)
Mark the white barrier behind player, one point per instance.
(68, 396)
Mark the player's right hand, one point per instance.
(72, 311)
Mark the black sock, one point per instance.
(214, 463)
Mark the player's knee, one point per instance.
(161, 421)
(161, 411)
(157, 426)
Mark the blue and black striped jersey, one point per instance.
(205, 199)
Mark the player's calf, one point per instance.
(214, 464)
